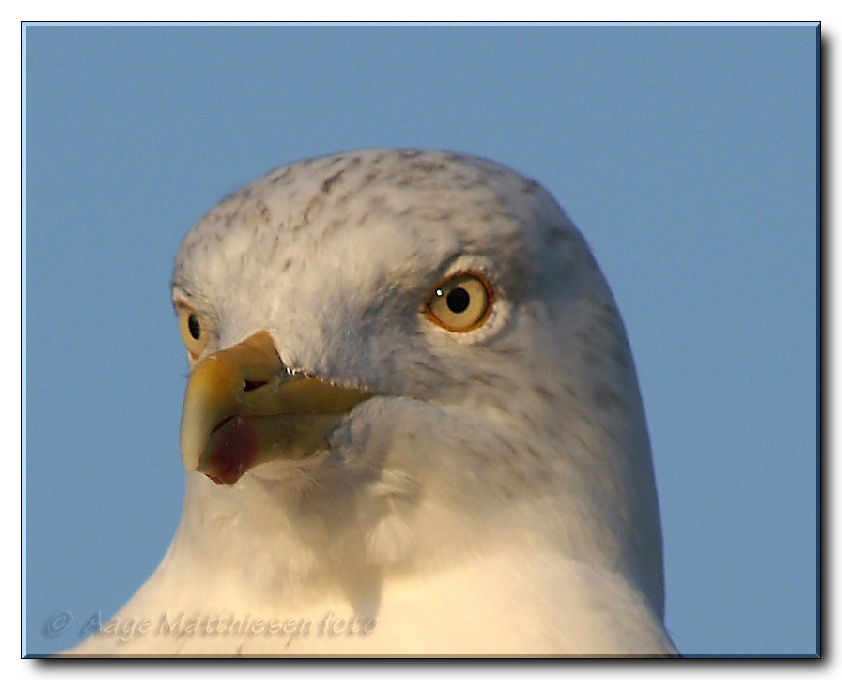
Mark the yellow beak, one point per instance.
(243, 407)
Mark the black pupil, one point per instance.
(193, 325)
(458, 300)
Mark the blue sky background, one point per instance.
(686, 154)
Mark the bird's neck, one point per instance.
(285, 542)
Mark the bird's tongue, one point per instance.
(234, 452)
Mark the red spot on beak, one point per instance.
(233, 452)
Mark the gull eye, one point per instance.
(461, 302)
(194, 330)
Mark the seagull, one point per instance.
(412, 426)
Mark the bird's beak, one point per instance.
(243, 407)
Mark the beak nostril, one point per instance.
(250, 385)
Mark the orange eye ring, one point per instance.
(461, 303)
(195, 331)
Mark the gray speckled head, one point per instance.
(489, 491)
(335, 258)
